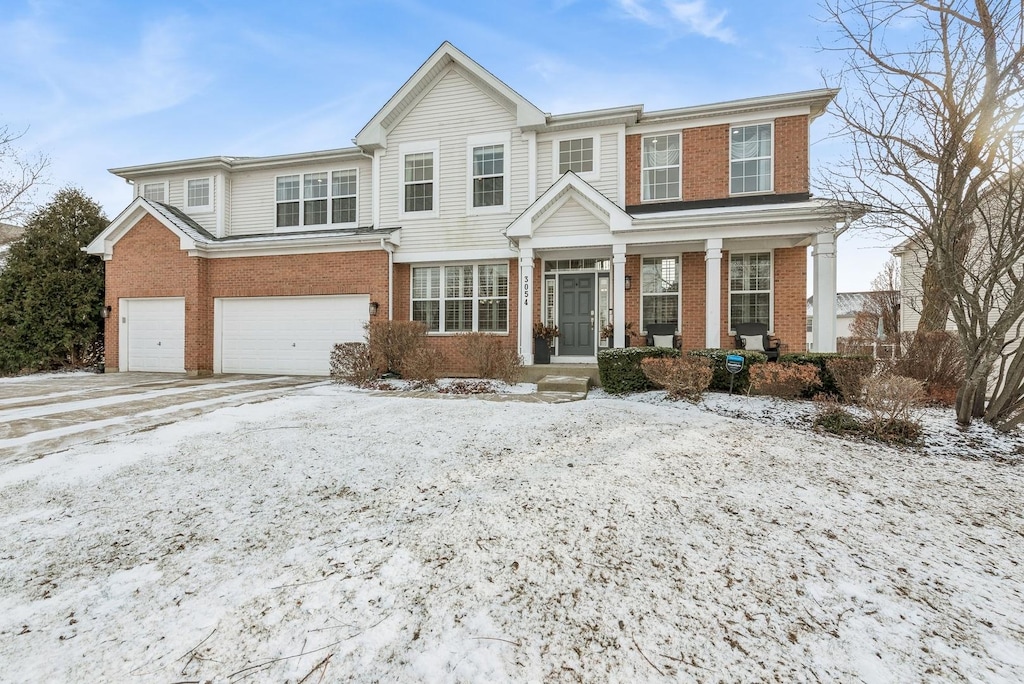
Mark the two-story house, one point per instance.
(464, 206)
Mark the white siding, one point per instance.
(607, 183)
(448, 113)
(176, 196)
(253, 196)
(571, 219)
(911, 275)
(545, 165)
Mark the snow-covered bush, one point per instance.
(785, 380)
(351, 363)
(686, 377)
(489, 358)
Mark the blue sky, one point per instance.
(99, 84)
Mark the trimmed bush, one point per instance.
(826, 382)
(849, 376)
(422, 364)
(489, 358)
(391, 341)
(620, 368)
(351, 363)
(784, 380)
(686, 377)
(720, 378)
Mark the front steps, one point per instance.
(566, 386)
(537, 372)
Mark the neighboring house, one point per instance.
(464, 206)
(8, 234)
(848, 305)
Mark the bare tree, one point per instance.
(20, 176)
(934, 106)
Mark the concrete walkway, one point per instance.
(42, 414)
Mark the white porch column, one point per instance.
(619, 295)
(713, 293)
(526, 288)
(824, 257)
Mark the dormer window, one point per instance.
(661, 167)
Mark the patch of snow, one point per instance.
(415, 539)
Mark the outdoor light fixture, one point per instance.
(373, 308)
(105, 311)
(629, 282)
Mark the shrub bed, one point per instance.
(351, 363)
(686, 377)
(849, 375)
(391, 341)
(784, 380)
(620, 369)
(826, 381)
(489, 359)
(720, 378)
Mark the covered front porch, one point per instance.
(602, 276)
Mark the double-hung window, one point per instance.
(316, 199)
(659, 290)
(198, 194)
(661, 167)
(155, 192)
(750, 288)
(488, 187)
(750, 159)
(418, 178)
(461, 298)
(576, 155)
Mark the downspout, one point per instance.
(391, 278)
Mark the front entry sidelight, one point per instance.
(576, 315)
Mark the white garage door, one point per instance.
(152, 334)
(291, 335)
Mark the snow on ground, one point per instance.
(381, 538)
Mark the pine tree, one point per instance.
(51, 292)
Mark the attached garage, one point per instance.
(287, 335)
(152, 334)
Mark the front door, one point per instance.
(576, 315)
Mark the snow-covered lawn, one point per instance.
(362, 537)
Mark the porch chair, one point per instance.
(665, 332)
(753, 336)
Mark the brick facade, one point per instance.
(706, 162)
(792, 165)
(148, 262)
(790, 290)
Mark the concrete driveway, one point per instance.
(42, 414)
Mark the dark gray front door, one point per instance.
(576, 315)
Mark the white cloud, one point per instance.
(697, 18)
(637, 10)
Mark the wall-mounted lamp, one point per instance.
(629, 282)
(373, 308)
(105, 311)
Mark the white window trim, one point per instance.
(679, 194)
(771, 174)
(679, 291)
(588, 175)
(771, 287)
(487, 139)
(167, 189)
(303, 226)
(441, 332)
(404, 149)
(199, 207)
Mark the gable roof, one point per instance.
(568, 186)
(374, 134)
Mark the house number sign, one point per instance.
(526, 291)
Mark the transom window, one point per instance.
(576, 155)
(659, 290)
(419, 181)
(155, 192)
(661, 168)
(750, 287)
(461, 298)
(750, 155)
(316, 199)
(197, 193)
(489, 176)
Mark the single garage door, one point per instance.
(292, 335)
(152, 334)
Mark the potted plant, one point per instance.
(608, 333)
(543, 338)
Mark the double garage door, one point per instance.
(287, 335)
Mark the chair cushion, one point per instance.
(662, 340)
(753, 342)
